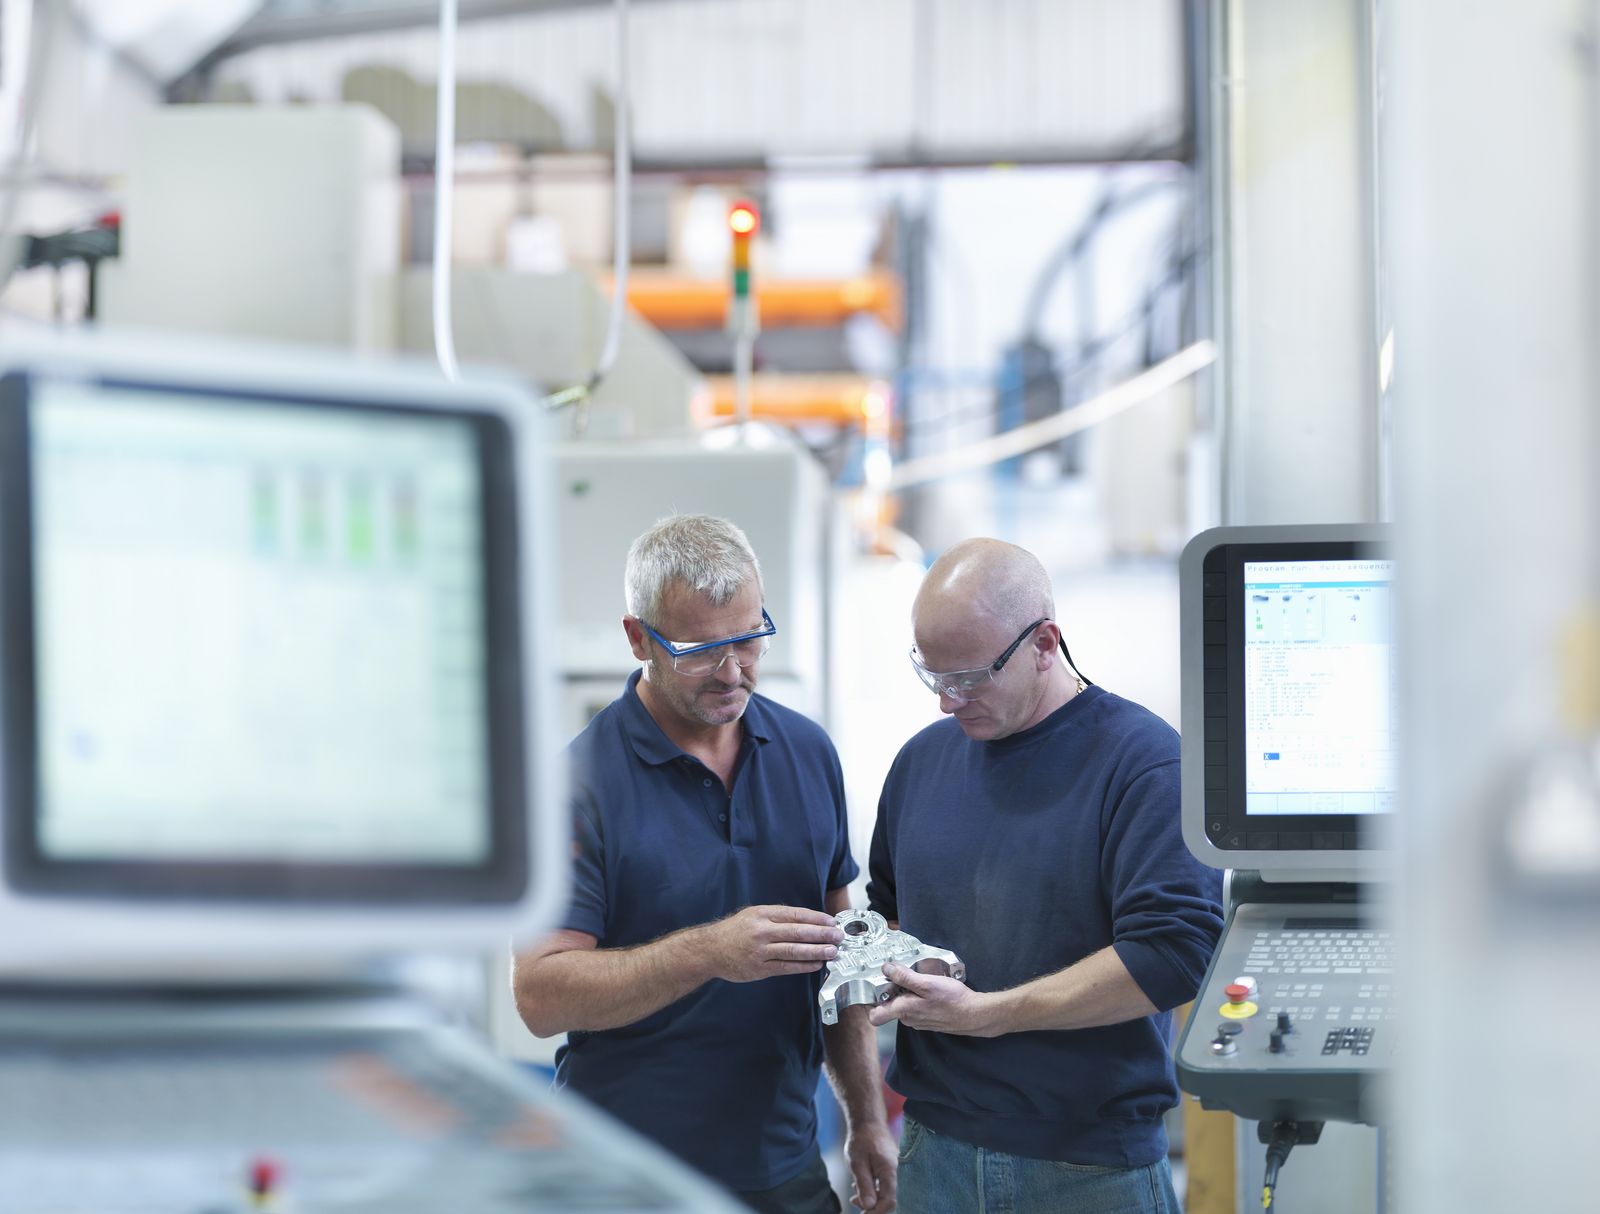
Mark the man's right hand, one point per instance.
(767, 941)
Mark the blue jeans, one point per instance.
(943, 1175)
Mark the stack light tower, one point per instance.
(744, 221)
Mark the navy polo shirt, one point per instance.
(724, 1077)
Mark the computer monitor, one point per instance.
(1289, 699)
(269, 646)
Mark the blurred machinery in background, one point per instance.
(319, 191)
(845, 175)
(549, 329)
(1141, 469)
(521, 301)
(292, 233)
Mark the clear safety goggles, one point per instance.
(968, 684)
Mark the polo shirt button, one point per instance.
(722, 817)
(707, 783)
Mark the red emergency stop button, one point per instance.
(263, 1181)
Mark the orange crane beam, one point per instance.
(678, 301)
(843, 400)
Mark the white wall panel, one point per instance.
(1297, 252)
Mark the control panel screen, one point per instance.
(270, 646)
(1319, 687)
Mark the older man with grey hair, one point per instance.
(710, 854)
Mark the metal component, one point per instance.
(856, 974)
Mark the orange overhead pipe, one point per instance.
(678, 301)
(845, 400)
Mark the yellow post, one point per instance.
(1208, 1151)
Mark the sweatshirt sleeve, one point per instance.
(1166, 906)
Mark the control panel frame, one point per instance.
(1301, 1080)
(1216, 825)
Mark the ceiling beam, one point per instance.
(272, 26)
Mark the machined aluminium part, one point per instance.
(856, 974)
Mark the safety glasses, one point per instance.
(698, 658)
(969, 684)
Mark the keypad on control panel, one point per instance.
(1289, 964)
(1356, 1041)
(1298, 951)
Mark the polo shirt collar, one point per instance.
(654, 747)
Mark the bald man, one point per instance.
(1035, 831)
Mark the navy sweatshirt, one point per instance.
(1025, 855)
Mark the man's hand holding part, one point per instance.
(768, 941)
(935, 1003)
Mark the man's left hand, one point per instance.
(935, 1003)
(874, 1156)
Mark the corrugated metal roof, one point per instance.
(898, 81)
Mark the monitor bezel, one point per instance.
(501, 877)
(1214, 830)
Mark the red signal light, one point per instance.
(744, 219)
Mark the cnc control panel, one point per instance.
(1295, 1015)
(214, 1104)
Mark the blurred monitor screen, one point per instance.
(258, 647)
